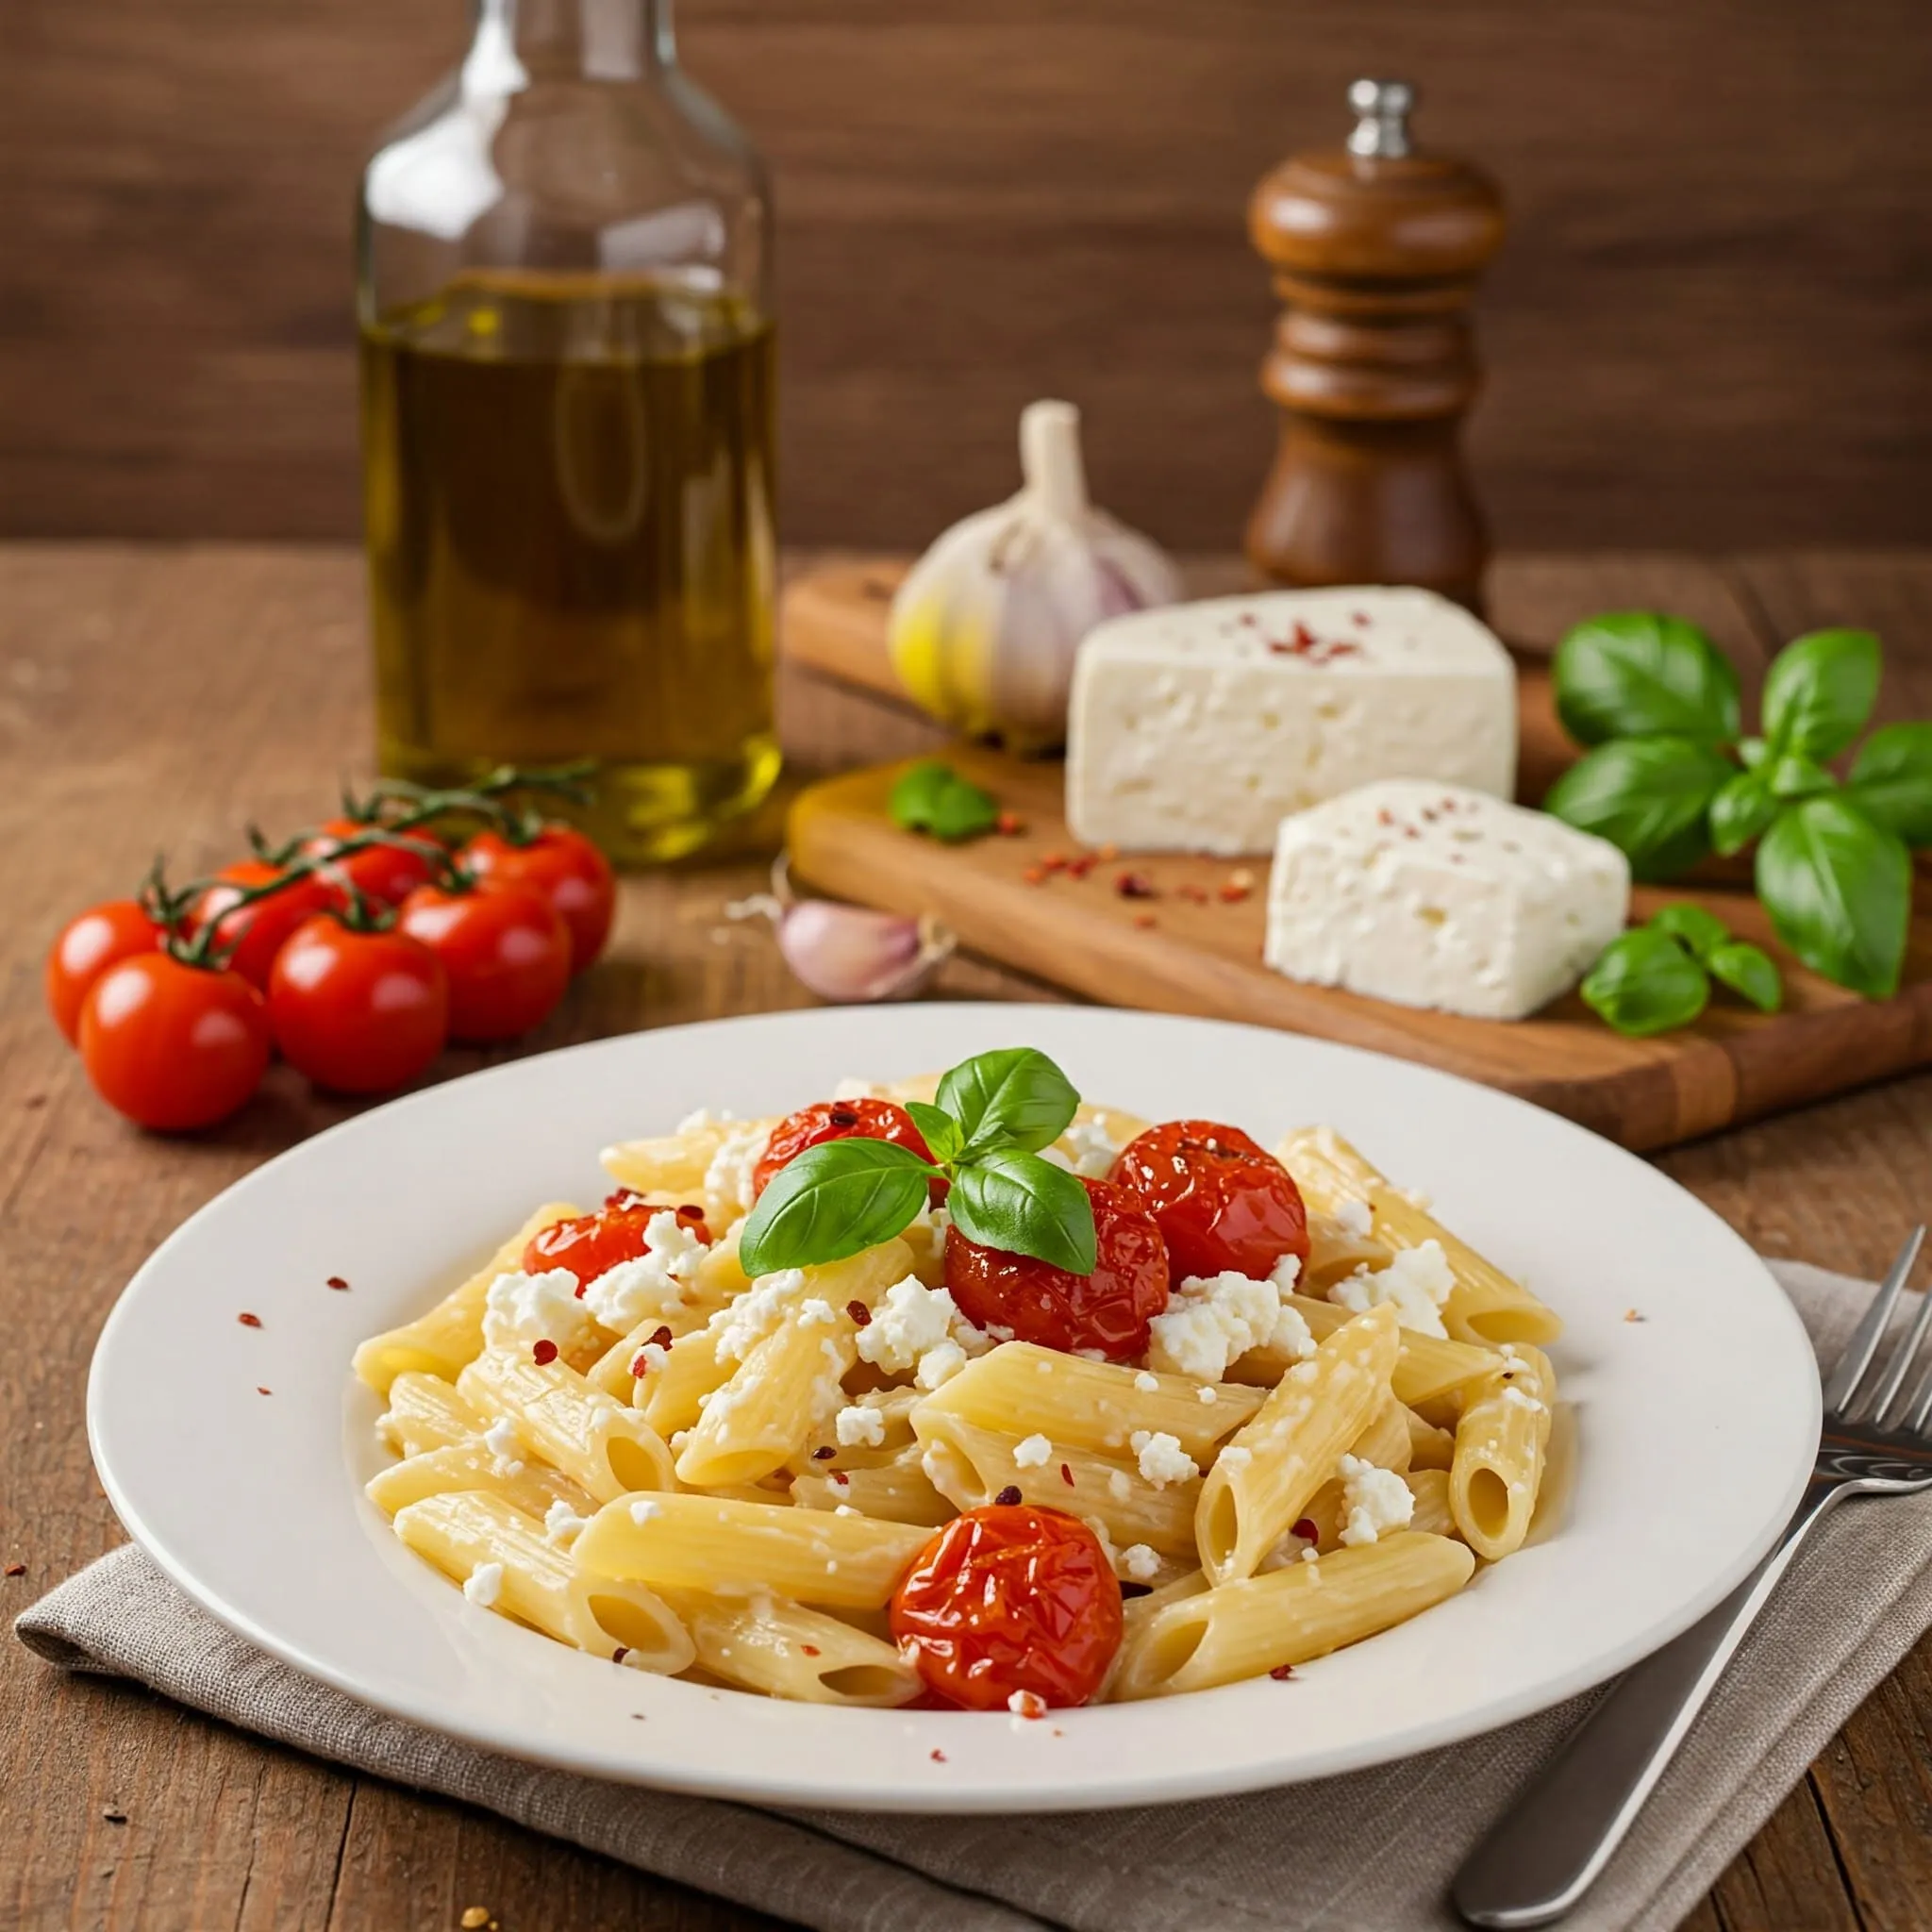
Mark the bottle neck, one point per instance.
(603, 40)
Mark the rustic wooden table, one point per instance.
(167, 697)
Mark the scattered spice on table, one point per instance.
(337, 1282)
(248, 1320)
(16, 1569)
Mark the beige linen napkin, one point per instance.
(1373, 1851)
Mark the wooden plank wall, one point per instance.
(1708, 330)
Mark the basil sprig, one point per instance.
(1658, 976)
(995, 1113)
(931, 796)
(1668, 777)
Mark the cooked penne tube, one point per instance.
(740, 1549)
(1432, 1514)
(896, 1491)
(451, 1334)
(1336, 1248)
(1500, 1444)
(1485, 1305)
(1428, 1369)
(788, 1379)
(426, 1412)
(1018, 1389)
(558, 1416)
(502, 1559)
(527, 1486)
(893, 1408)
(1289, 1616)
(1428, 1446)
(668, 1167)
(717, 1279)
(785, 1650)
(1262, 1482)
(970, 1466)
(1385, 1442)
(670, 1394)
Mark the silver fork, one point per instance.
(1547, 1851)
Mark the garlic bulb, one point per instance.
(848, 954)
(984, 626)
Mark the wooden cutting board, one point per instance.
(1195, 945)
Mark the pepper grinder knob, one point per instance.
(1382, 128)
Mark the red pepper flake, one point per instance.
(1307, 1532)
(823, 1453)
(811, 1649)
(16, 1570)
(337, 1282)
(691, 1211)
(1360, 617)
(1130, 1590)
(1134, 885)
(640, 1366)
(618, 1656)
(1428, 814)
(840, 1477)
(1065, 1475)
(936, 1756)
(842, 1117)
(1341, 648)
(543, 1353)
(1009, 824)
(1282, 1672)
(248, 1320)
(1410, 832)
(261, 1391)
(1631, 1315)
(862, 1315)
(1053, 862)
(1034, 877)
(1383, 817)
(1145, 920)
(1081, 864)
(1193, 894)
(1008, 1496)
(1233, 894)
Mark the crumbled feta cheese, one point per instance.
(1117, 1487)
(643, 1510)
(1147, 1384)
(519, 1309)
(1161, 1458)
(728, 1178)
(561, 1524)
(1030, 1704)
(484, 1584)
(1085, 1148)
(1235, 1457)
(1207, 1393)
(1520, 1398)
(910, 1318)
(652, 1357)
(1312, 1555)
(501, 1441)
(1354, 1219)
(1140, 1563)
(1372, 1500)
(1031, 1452)
(861, 1428)
(940, 1364)
(762, 1310)
(648, 1284)
(1286, 1272)
(817, 1313)
(1211, 1321)
(1418, 1281)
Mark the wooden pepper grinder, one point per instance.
(1375, 250)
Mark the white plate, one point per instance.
(1693, 1429)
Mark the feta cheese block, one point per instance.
(1199, 726)
(1438, 895)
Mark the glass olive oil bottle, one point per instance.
(566, 427)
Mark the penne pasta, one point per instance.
(785, 1650)
(1428, 1368)
(525, 1485)
(1500, 1444)
(896, 1491)
(1289, 1616)
(558, 1417)
(425, 1412)
(502, 1559)
(745, 1549)
(451, 1334)
(1432, 1513)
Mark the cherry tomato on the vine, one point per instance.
(86, 948)
(838, 1120)
(590, 1245)
(359, 1012)
(385, 873)
(256, 932)
(1007, 1599)
(505, 949)
(171, 1045)
(1221, 1201)
(1107, 1311)
(567, 868)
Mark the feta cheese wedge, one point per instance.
(1197, 727)
(1436, 895)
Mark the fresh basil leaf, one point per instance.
(1645, 982)
(1820, 689)
(1025, 1206)
(1748, 972)
(1740, 812)
(939, 1130)
(1648, 797)
(1012, 1097)
(1839, 890)
(1891, 780)
(1752, 751)
(1640, 675)
(1794, 775)
(915, 792)
(931, 797)
(1702, 931)
(831, 1201)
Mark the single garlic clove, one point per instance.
(850, 955)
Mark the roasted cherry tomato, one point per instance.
(1221, 1201)
(505, 949)
(84, 950)
(1009, 1601)
(262, 929)
(1107, 1311)
(838, 1120)
(171, 1045)
(568, 868)
(387, 872)
(589, 1244)
(359, 1012)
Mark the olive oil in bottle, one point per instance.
(567, 487)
